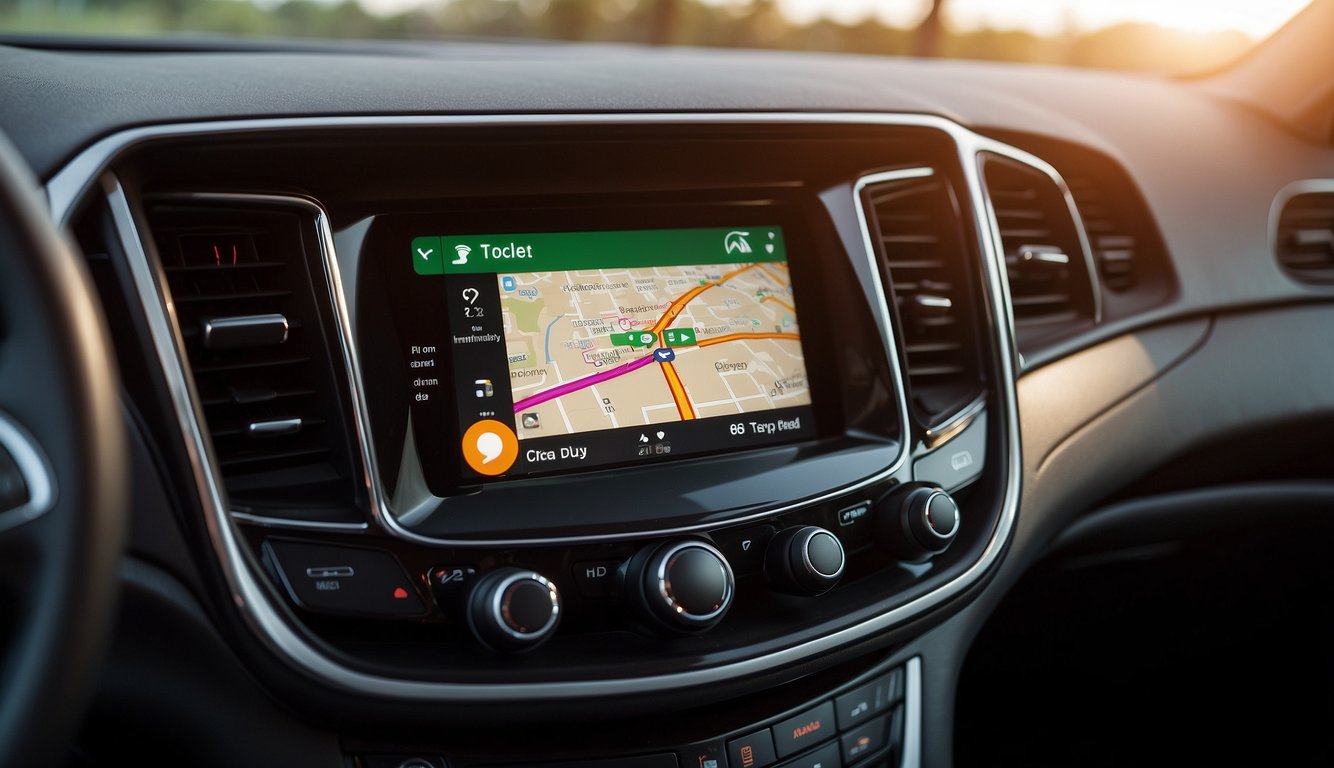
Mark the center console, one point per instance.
(610, 414)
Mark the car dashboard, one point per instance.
(499, 406)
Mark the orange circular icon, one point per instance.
(490, 447)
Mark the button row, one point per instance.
(867, 717)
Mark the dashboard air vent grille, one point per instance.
(1050, 287)
(916, 229)
(1112, 239)
(1305, 236)
(246, 312)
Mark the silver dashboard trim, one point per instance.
(912, 714)
(35, 470)
(1047, 169)
(251, 598)
(955, 425)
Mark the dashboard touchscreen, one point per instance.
(573, 350)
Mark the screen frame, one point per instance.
(856, 434)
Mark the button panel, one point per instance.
(344, 580)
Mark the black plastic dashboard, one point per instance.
(337, 151)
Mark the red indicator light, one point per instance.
(400, 593)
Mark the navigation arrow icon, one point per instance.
(664, 355)
(426, 253)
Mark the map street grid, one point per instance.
(721, 340)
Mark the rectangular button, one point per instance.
(595, 579)
(824, 757)
(805, 730)
(859, 705)
(958, 462)
(864, 740)
(752, 751)
(346, 580)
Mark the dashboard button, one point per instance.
(864, 740)
(745, 548)
(860, 705)
(824, 757)
(755, 750)
(708, 754)
(958, 462)
(344, 580)
(804, 730)
(597, 578)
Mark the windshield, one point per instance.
(1167, 36)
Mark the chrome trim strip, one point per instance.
(251, 597)
(273, 428)
(282, 522)
(912, 714)
(1281, 200)
(35, 470)
(938, 436)
(1042, 166)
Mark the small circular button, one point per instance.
(806, 560)
(513, 609)
(679, 586)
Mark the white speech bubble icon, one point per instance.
(490, 446)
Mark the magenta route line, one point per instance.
(578, 384)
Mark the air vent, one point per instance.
(1112, 238)
(915, 223)
(1305, 237)
(252, 329)
(1050, 288)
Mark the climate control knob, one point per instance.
(513, 609)
(682, 586)
(918, 523)
(806, 560)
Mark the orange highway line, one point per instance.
(741, 336)
(780, 303)
(678, 389)
(776, 278)
(688, 296)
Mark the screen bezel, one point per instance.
(862, 427)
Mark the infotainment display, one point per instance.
(574, 350)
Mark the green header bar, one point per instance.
(564, 251)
